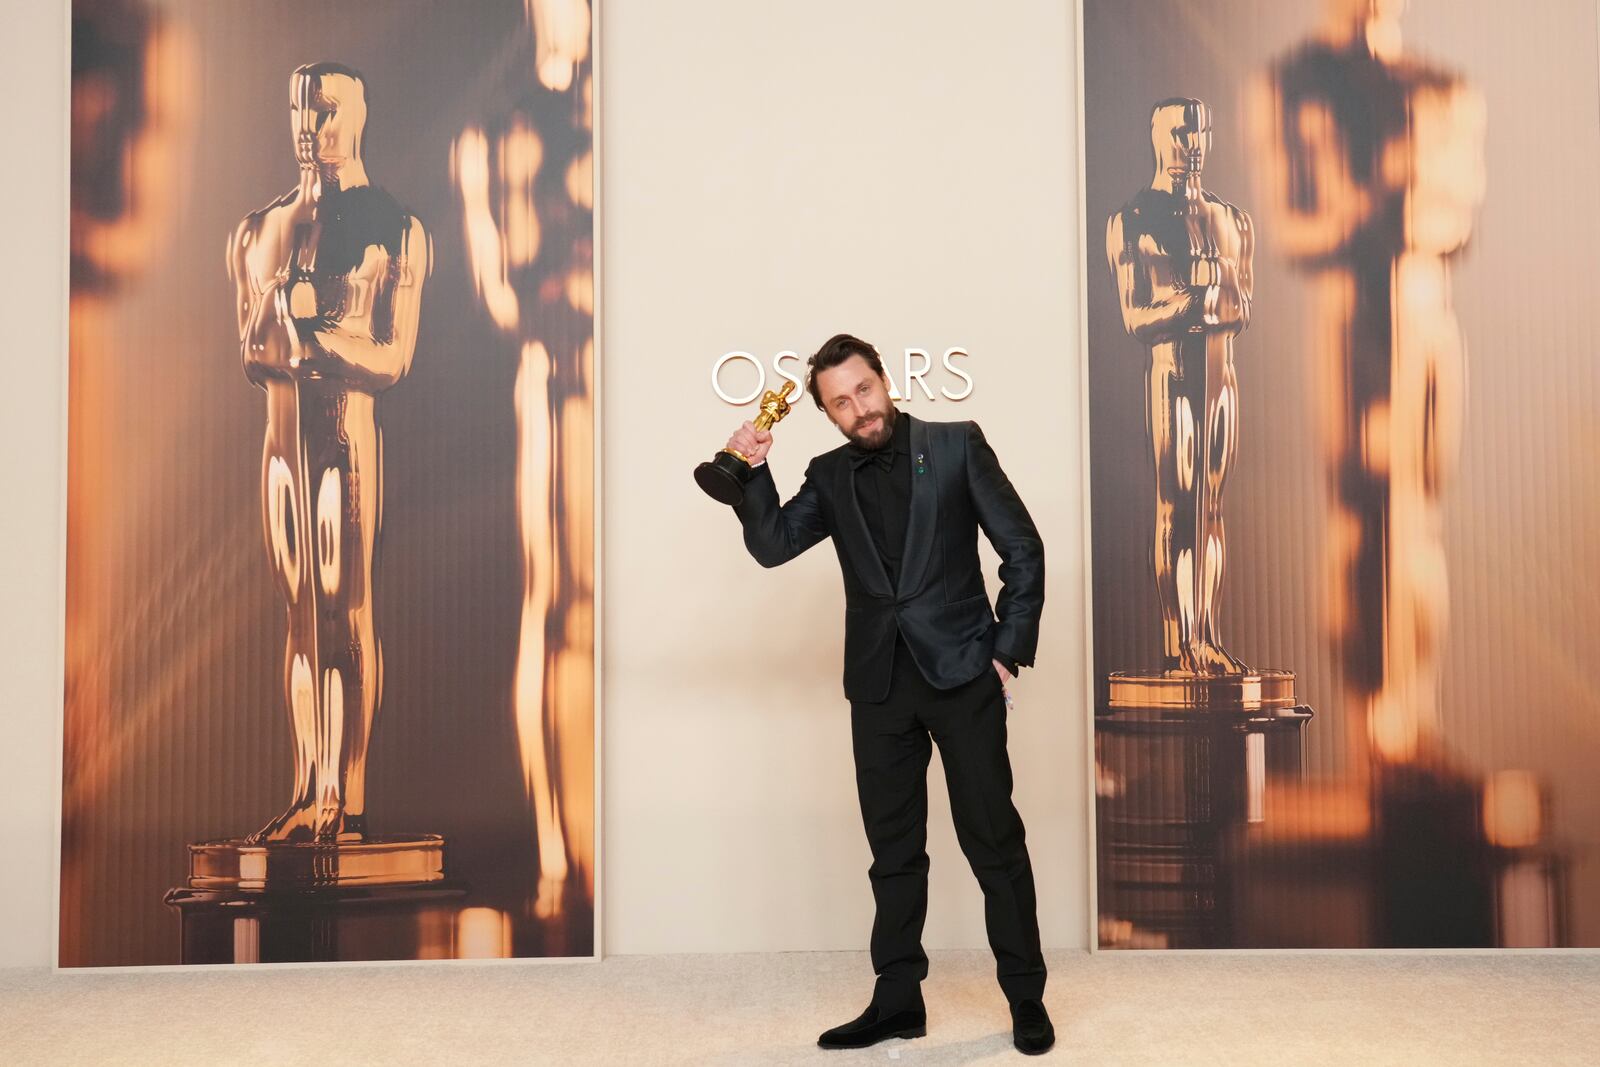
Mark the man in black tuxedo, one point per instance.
(924, 657)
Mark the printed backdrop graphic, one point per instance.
(1344, 504)
(330, 589)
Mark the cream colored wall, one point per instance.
(772, 173)
(775, 173)
(33, 302)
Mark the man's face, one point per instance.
(326, 114)
(857, 401)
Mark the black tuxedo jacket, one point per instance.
(939, 603)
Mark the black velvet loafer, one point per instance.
(874, 1025)
(1031, 1031)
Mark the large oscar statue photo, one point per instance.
(1405, 493)
(329, 281)
(1182, 260)
(330, 625)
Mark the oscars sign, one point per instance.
(789, 366)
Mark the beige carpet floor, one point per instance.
(745, 1010)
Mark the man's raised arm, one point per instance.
(776, 534)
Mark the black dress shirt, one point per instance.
(883, 488)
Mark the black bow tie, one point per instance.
(883, 457)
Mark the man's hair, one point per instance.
(834, 351)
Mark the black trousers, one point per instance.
(893, 742)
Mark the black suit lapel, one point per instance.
(924, 509)
(854, 533)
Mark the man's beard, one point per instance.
(875, 434)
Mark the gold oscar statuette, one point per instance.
(723, 477)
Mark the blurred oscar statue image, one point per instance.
(131, 126)
(523, 173)
(1373, 163)
(329, 284)
(1182, 262)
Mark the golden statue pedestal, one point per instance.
(1258, 691)
(1182, 761)
(279, 902)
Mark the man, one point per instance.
(903, 500)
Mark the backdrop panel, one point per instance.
(1343, 276)
(330, 604)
